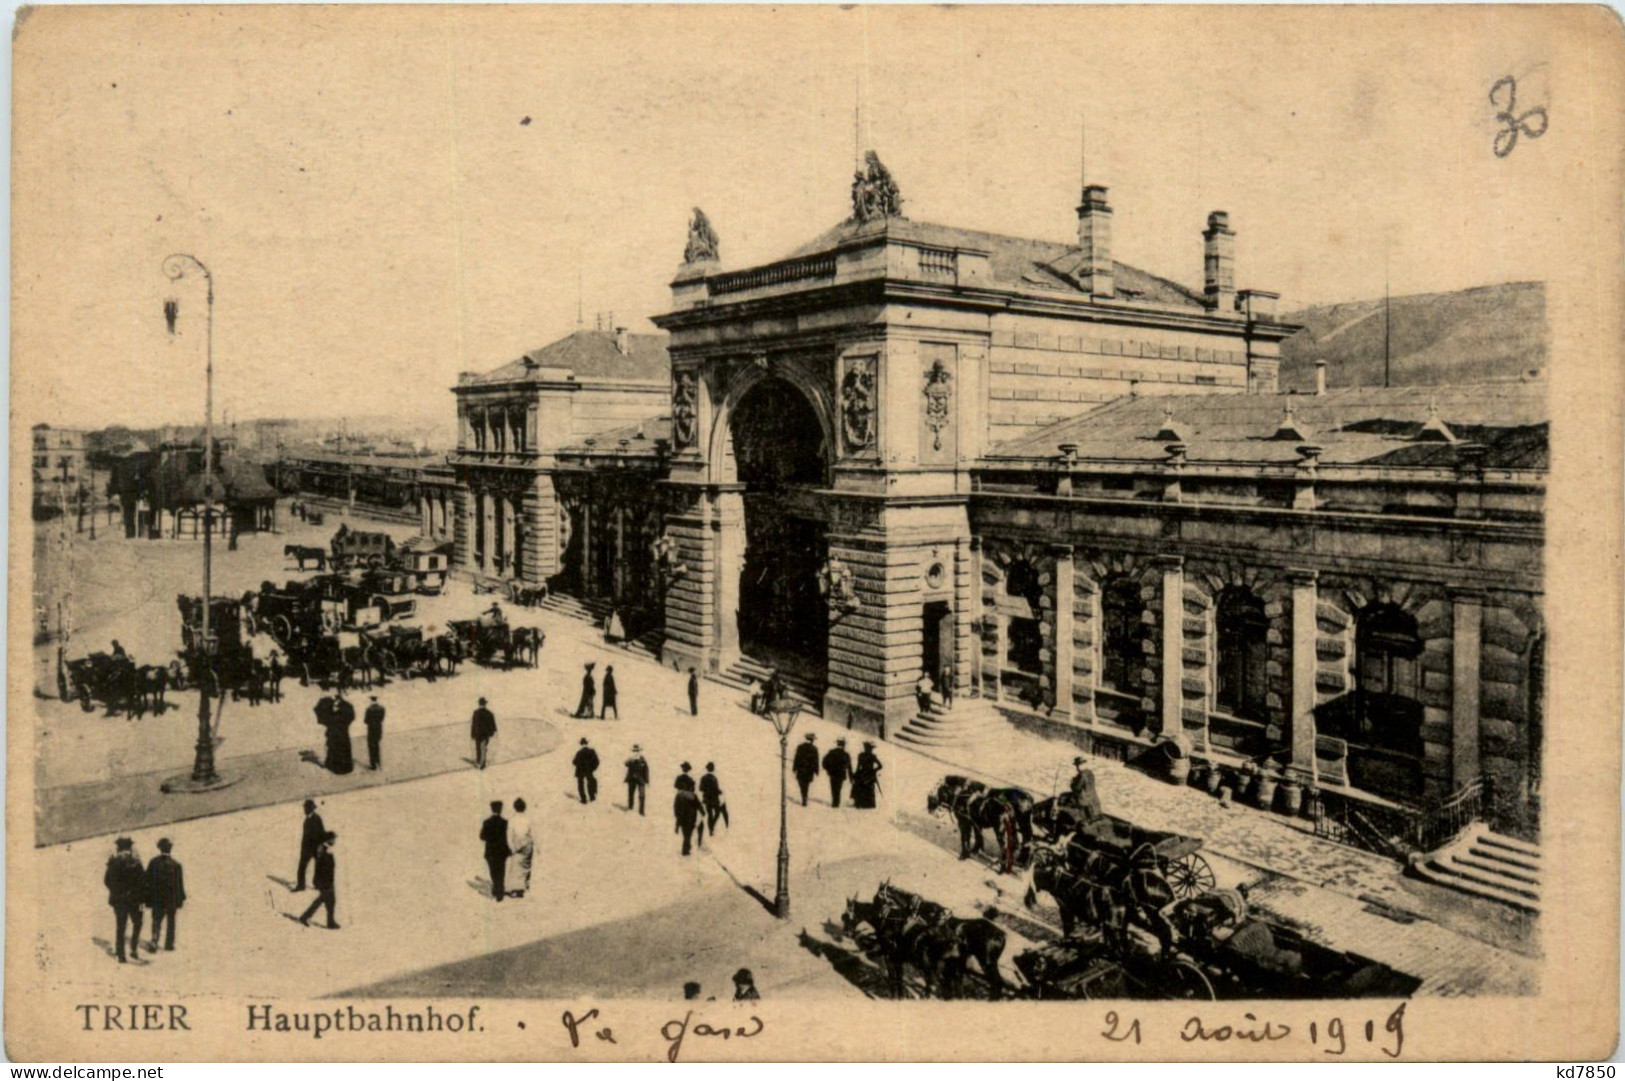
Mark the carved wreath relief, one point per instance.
(938, 394)
(858, 404)
(684, 394)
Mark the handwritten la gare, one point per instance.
(1334, 1037)
(673, 1031)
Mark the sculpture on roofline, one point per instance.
(702, 239)
(874, 192)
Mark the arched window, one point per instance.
(1122, 645)
(1387, 678)
(1243, 644)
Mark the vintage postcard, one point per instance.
(679, 533)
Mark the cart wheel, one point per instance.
(1189, 876)
(282, 630)
(1187, 981)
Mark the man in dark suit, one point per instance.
(309, 841)
(483, 726)
(166, 893)
(687, 810)
(375, 733)
(711, 797)
(637, 779)
(693, 693)
(837, 764)
(325, 881)
(126, 884)
(494, 832)
(805, 766)
(586, 764)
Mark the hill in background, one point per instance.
(1492, 333)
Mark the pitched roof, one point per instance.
(638, 439)
(590, 353)
(1016, 261)
(1356, 425)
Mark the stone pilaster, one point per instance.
(691, 596)
(1305, 607)
(1171, 612)
(1085, 648)
(1467, 615)
(966, 650)
(541, 517)
(974, 614)
(462, 530)
(728, 527)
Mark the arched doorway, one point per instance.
(779, 453)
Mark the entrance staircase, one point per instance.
(970, 722)
(1488, 864)
(595, 610)
(748, 673)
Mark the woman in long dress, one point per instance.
(866, 778)
(340, 755)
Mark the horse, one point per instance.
(299, 553)
(976, 807)
(1104, 890)
(904, 937)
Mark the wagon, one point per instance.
(1266, 958)
(485, 639)
(354, 547)
(1088, 967)
(99, 677)
(1118, 840)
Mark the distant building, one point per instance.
(162, 495)
(61, 471)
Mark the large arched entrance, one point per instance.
(780, 456)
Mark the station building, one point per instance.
(1063, 487)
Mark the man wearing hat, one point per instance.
(309, 840)
(1081, 789)
(637, 779)
(166, 893)
(686, 809)
(586, 764)
(711, 797)
(805, 766)
(482, 727)
(325, 882)
(837, 765)
(494, 832)
(375, 733)
(745, 986)
(126, 883)
(866, 778)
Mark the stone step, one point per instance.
(1451, 873)
(1494, 870)
(1501, 858)
(968, 724)
(1510, 845)
(1488, 864)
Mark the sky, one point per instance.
(379, 216)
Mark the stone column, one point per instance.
(1467, 612)
(619, 587)
(1171, 645)
(507, 548)
(1305, 635)
(425, 519)
(586, 545)
(728, 524)
(1065, 603)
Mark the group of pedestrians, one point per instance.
(510, 845)
(335, 714)
(697, 806)
(589, 694)
(160, 886)
(837, 765)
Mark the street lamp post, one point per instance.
(783, 719)
(177, 267)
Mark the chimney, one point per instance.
(623, 341)
(1219, 263)
(1095, 238)
(1320, 377)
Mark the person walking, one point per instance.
(922, 693)
(166, 893)
(586, 764)
(325, 882)
(837, 765)
(589, 694)
(945, 686)
(310, 839)
(340, 752)
(609, 694)
(637, 779)
(375, 733)
(275, 676)
(494, 833)
(483, 728)
(805, 766)
(522, 842)
(614, 632)
(866, 778)
(693, 693)
(711, 798)
(686, 809)
(126, 884)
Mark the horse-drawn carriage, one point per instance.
(1089, 838)
(115, 681)
(491, 639)
(359, 548)
(1208, 947)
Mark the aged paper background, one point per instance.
(128, 121)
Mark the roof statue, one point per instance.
(702, 239)
(874, 192)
